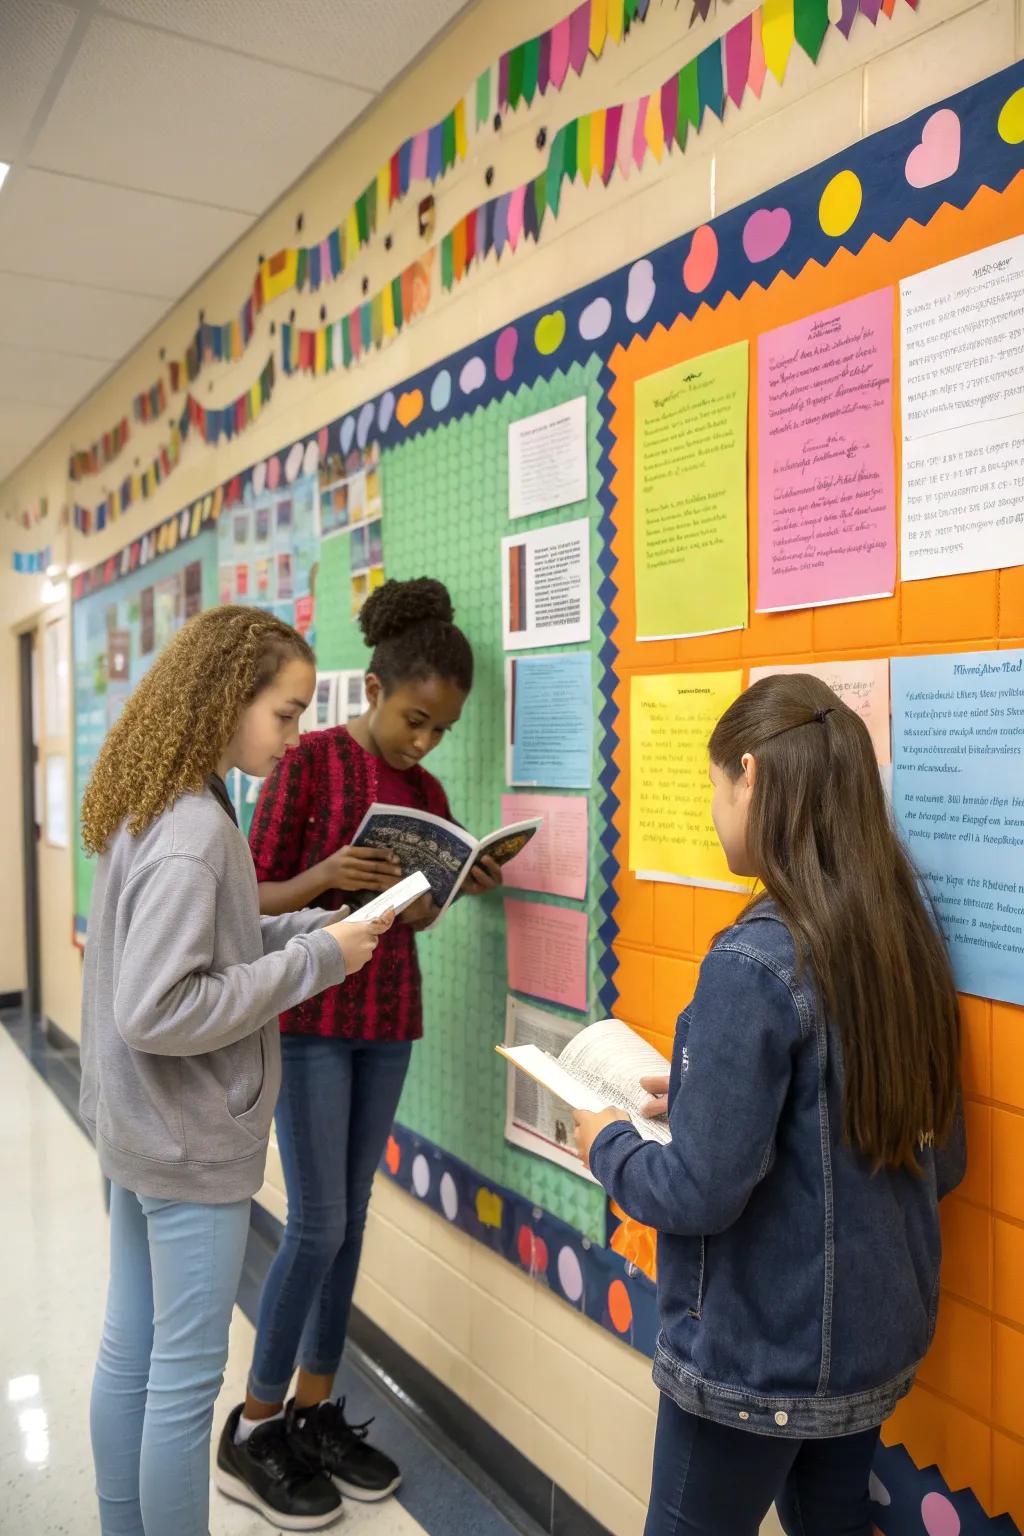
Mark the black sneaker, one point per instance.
(341, 1450)
(271, 1475)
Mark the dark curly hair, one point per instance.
(409, 625)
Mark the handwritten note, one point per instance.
(863, 685)
(547, 952)
(962, 371)
(549, 703)
(555, 859)
(547, 459)
(691, 497)
(958, 794)
(826, 458)
(671, 834)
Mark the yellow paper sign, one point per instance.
(670, 828)
(691, 497)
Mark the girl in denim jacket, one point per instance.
(814, 1108)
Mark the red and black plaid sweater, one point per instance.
(309, 808)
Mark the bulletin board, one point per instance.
(892, 206)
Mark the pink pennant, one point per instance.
(639, 132)
(627, 128)
(418, 161)
(579, 36)
(515, 216)
(737, 57)
(670, 109)
(612, 127)
(326, 267)
(559, 52)
(758, 67)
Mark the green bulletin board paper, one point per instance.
(339, 641)
(446, 499)
(691, 496)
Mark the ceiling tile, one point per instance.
(21, 428)
(46, 378)
(144, 109)
(342, 39)
(60, 317)
(32, 37)
(85, 232)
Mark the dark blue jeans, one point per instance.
(338, 1099)
(710, 1480)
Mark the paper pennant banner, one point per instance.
(32, 564)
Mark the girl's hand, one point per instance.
(357, 941)
(589, 1126)
(362, 869)
(422, 912)
(483, 877)
(657, 1087)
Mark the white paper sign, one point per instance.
(547, 459)
(57, 799)
(962, 379)
(545, 586)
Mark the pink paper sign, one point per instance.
(547, 952)
(555, 860)
(826, 458)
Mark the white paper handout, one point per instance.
(962, 379)
(545, 586)
(547, 459)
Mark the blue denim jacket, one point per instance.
(797, 1291)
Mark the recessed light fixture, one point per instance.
(4, 168)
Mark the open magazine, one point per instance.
(444, 852)
(395, 900)
(599, 1067)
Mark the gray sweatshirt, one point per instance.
(183, 983)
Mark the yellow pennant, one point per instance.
(598, 26)
(597, 122)
(387, 311)
(615, 21)
(777, 33)
(461, 143)
(320, 359)
(654, 128)
(383, 188)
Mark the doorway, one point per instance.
(28, 697)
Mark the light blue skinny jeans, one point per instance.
(174, 1273)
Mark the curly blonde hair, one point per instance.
(173, 730)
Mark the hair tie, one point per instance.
(819, 715)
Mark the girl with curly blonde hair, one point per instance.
(183, 984)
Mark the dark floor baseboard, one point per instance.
(10, 1000)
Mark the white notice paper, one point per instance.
(545, 586)
(547, 459)
(963, 414)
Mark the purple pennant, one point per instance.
(612, 124)
(579, 36)
(642, 7)
(870, 9)
(405, 166)
(849, 12)
(501, 221)
(701, 9)
(544, 63)
(670, 108)
(503, 81)
(435, 152)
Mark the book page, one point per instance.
(538, 1118)
(508, 842)
(609, 1059)
(421, 842)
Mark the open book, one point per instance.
(600, 1068)
(394, 900)
(444, 852)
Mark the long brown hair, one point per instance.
(820, 836)
(173, 730)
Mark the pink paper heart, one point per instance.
(938, 154)
(766, 232)
(700, 265)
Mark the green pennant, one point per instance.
(371, 204)
(540, 199)
(682, 125)
(483, 98)
(689, 94)
(329, 349)
(555, 171)
(346, 344)
(448, 141)
(571, 136)
(583, 147)
(300, 267)
(628, 13)
(365, 325)
(515, 76)
(377, 320)
(531, 67)
(396, 302)
(362, 219)
(810, 23)
(446, 262)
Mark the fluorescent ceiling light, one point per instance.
(4, 168)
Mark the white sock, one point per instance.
(246, 1426)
